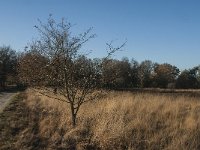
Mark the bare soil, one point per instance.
(5, 97)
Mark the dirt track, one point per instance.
(5, 97)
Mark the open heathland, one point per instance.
(119, 120)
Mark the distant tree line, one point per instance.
(131, 74)
(29, 66)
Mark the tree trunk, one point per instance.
(73, 115)
(2, 85)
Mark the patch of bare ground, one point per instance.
(122, 120)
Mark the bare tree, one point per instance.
(165, 74)
(145, 70)
(32, 68)
(70, 73)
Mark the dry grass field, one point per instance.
(121, 120)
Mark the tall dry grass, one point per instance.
(122, 120)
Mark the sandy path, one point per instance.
(4, 98)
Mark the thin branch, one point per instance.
(52, 97)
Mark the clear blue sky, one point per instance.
(159, 30)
